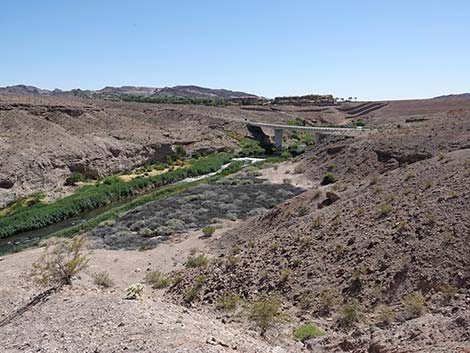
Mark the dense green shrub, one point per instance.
(296, 122)
(359, 123)
(250, 147)
(207, 231)
(307, 331)
(91, 197)
(328, 178)
(75, 177)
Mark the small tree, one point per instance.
(265, 312)
(60, 262)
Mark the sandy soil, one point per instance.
(290, 172)
(84, 318)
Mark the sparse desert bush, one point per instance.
(265, 312)
(448, 291)
(156, 279)
(385, 209)
(428, 183)
(296, 263)
(359, 272)
(317, 222)
(340, 250)
(236, 250)
(306, 300)
(410, 175)
(193, 292)
(180, 152)
(275, 246)
(448, 237)
(102, 279)
(407, 190)
(228, 302)
(60, 262)
(402, 226)
(306, 241)
(285, 274)
(431, 219)
(74, 178)
(350, 313)
(315, 193)
(413, 304)
(384, 315)
(233, 260)
(208, 231)
(374, 180)
(287, 181)
(298, 170)
(328, 178)
(134, 291)
(360, 211)
(302, 211)
(378, 188)
(339, 187)
(328, 299)
(176, 279)
(197, 261)
(307, 331)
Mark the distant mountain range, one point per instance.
(461, 95)
(176, 91)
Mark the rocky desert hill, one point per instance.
(379, 258)
(176, 91)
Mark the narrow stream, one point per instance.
(7, 244)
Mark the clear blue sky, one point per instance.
(386, 49)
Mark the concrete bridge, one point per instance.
(317, 130)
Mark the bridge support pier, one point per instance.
(318, 138)
(278, 140)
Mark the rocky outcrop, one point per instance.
(6, 183)
(259, 135)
